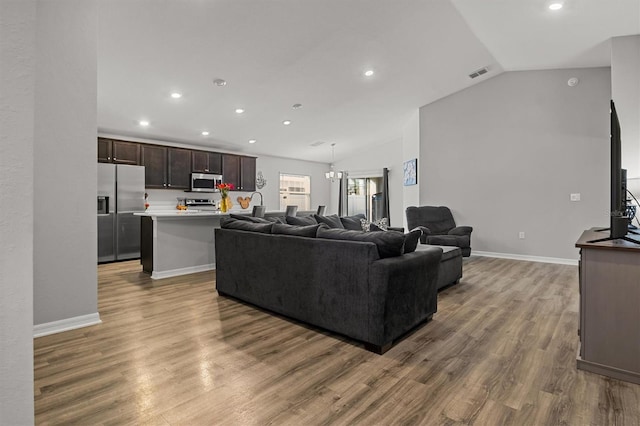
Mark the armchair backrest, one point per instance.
(438, 219)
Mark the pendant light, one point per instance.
(332, 174)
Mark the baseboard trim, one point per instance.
(67, 324)
(556, 260)
(158, 275)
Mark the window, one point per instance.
(365, 195)
(295, 190)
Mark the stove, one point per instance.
(200, 204)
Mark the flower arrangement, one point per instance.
(225, 203)
(225, 188)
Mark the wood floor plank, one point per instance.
(500, 351)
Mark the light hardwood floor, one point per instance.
(500, 351)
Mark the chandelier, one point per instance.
(332, 174)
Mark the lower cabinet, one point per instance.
(609, 318)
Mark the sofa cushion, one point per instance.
(389, 244)
(411, 240)
(276, 219)
(300, 231)
(333, 221)
(461, 241)
(300, 220)
(352, 222)
(249, 218)
(245, 225)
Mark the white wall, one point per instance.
(271, 167)
(65, 178)
(375, 158)
(506, 154)
(17, 82)
(625, 92)
(411, 149)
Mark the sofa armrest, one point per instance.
(461, 230)
(425, 233)
(402, 293)
(395, 228)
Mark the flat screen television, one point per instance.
(619, 221)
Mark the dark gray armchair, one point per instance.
(439, 228)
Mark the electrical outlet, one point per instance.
(575, 197)
(521, 235)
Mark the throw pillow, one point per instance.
(377, 225)
(389, 244)
(300, 231)
(244, 225)
(300, 220)
(352, 222)
(333, 221)
(411, 240)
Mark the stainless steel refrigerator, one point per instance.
(120, 195)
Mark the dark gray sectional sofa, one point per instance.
(362, 286)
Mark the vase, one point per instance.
(225, 204)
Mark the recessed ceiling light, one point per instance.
(143, 123)
(219, 82)
(239, 110)
(555, 6)
(368, 73)
(286, 122)
(205, 133)
(296, 106)
(252, 141)
(176, 95)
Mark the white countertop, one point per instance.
(186, 213)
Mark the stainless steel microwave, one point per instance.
(205, 182)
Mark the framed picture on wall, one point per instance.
(410, 172)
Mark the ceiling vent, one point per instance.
(318, 143)
(479, 72)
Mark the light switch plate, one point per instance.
(575, 197)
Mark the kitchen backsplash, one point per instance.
(167, 199)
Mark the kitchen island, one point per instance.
(174, 242)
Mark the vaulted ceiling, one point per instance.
(274, 54)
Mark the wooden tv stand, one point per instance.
(609, 327)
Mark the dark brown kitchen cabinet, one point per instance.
(154, 159)
(126, 152)
(206, 162)
(119, 152)
(104, 150)
(166, 167)
(247, 173)
(178, 168)
(240, 171)
(231, 169)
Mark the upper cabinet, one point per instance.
(231, 169)
(126, 152)
(166, 167)
(239, 171)
(206, 162)
(154, 159)
(104, 150)
(247, 173)
(119, 152)
(170, 167)
(178, 168)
